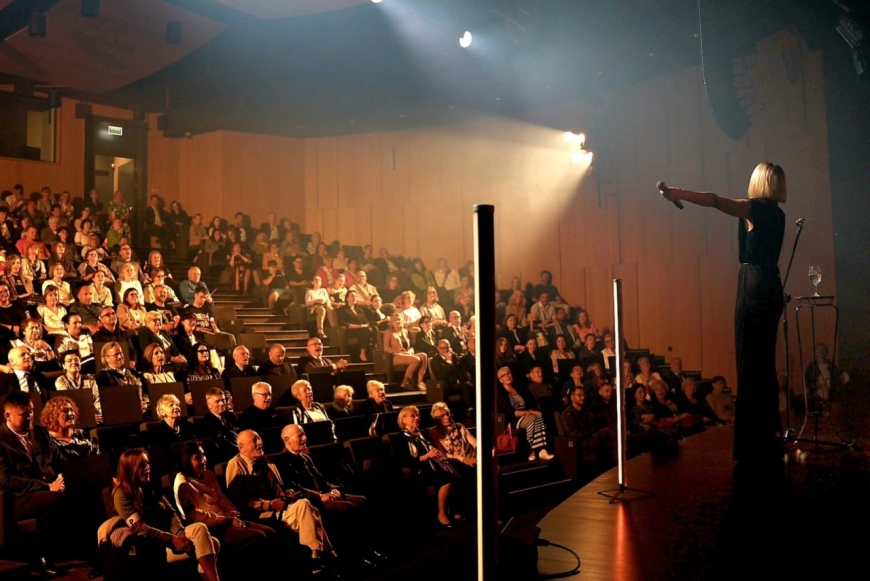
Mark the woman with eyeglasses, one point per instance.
(31, 337)
(59, 417)
(150, 515)
(453, 439)
(73, 378)
(199, 367)
(115, 373)
(523, 412)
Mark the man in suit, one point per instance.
(241, 366)
(261, 415)
(272, 228)
(219, 424)
(246, 234)
(454, 333)
(560, 326)
(155, 220)
(276, 365)
(445, 366)
(26, 457)
(315, 362)
(674, 377)
(22, 378)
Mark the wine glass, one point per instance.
(815, 275)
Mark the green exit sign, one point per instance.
(116, 130)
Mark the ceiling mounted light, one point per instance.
(465, 41)
(377, 1)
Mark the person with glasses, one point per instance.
(453, 439)
(522, 410)
(219, 425)
(261, 415)
(152, 333)
(73, 378)
(110, 330)
(115, 373)
(199, 367)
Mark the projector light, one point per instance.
(465, 41)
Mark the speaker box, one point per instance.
(84, 110)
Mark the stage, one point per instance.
(711, 519)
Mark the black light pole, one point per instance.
(484, 308)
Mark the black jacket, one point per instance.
(21, 474)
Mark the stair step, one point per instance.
(253, 311)
(262, 327)
(253, 319)
(293, 333)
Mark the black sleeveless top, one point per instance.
(762, 245)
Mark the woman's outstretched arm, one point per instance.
(739, 208)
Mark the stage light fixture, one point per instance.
(465, 41)
(377, 1)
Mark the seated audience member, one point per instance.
(410, 313)
(455, 333)
(308, 410)
(540, 388)
(298, 280)
(523, 412)
(33, 269)
(426, 341)
(241, 366)
(465, 307)
(337, 292)
(206, 325)
(317, 304)
(200, 500)
(59, 417)
(364, 291)
(52, 312)
(468, 363)
(19, 287)
(429, 466)
(594, 378)
(353, 317)
(27, 460)
(608, 352)
(115, 373)
(151, 517)
(517, 307)
(261, 414)
(275, 283)
(561, 326)
(43, 355)
(721, 403)
(154, 370)
(87, 309)
(102, 294)
(91, 266)
(125, 257)
(589, 351)
(219, 424)
(20, 375)
(574, 380)
(605, 405)
(315, 362)
(199, 367)
(454, 440)
(445, 366)
(532, 357)
(646, 375)
(446, 279)
(546, 286)
(584, 327)
(674, 377)
(74, 338)
(186, 337)
(151, 333)
(561, 351)
(465, 288)
(172, 427)
(131, 313)
(377, 402)
(391, 291)
(432, 309)
(64, 292)
(541, 314)
(398, 343)
(689, 404)
(515, 335)
(342, 404)
(667, 411)
(31, 239)
(277, 363)
(256, 486)
(74, 379)
(187, 288)
(327, 272)
(127, 281)
(378, 321)
(579, 421)
(111, 331)
(641, 416)
(159, 303)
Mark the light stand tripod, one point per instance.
(788, 434)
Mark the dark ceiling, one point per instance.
(373, 67)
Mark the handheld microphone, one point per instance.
(799, 222)
(662, 187)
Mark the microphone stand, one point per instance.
(789, 435)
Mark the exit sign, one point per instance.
(116, 130)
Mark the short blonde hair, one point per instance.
(768, 182)
(373, 385)
(440, 405)
(406, 411)
(164, 403)
(343, 388)
(151, 315)
(298, 386)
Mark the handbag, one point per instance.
(506, 443)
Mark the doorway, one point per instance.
(116, 156)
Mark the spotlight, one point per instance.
(377, 1)
(465, 41)
(578, 139)
(580, 156)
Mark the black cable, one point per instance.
(571, 573)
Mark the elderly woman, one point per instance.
(426, 464)
(409, 310)
(667, 411)
(377, 402)
(139, 502)
(453, 439)
(41, 352)
(646, 375)
(73, 378)
(64, 292)
(33, 269)
(131, 313)
(127, 280)
(52, 312)
(517, 307)
(200, 500)
(59, 418)
(308, 410)
(523, 412)
(154, 359)
(172, 427)
(318, 304)
(92, 266)
(342, 403)
(398, 343)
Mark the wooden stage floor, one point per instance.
(806, 518)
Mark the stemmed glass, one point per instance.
(815, 275)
